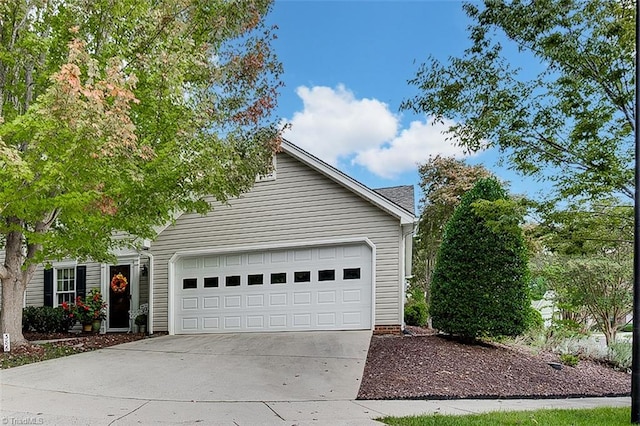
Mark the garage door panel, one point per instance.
(255, 301)
(302, 320)
(232, 322)
(190, 324)
(352, 318)
(325, 297)
(255, 322)
(211, 323)
(302, 298)
(211, 302)
(277, 321)
(189, 303)
(234, 301)
(318, 288)
(327, 319)
(278, 299)
(352, 296)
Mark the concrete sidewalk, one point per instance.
(61, 408)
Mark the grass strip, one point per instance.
(604, 416)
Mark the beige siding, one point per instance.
(300, 205)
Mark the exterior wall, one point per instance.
(300, 205)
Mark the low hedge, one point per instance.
(46, 319)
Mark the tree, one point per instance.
(114, 115)
(480, 282)
(589, 262)
(573, 122)
(443, 181)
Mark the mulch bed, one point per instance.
(76, 342)
(430, 366)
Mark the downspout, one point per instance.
(407, 258)
(150, 313)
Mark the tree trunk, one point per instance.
(11, 315)
(610, 332)
(14, 285)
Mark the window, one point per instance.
(210, 282)
(65, 285)
(254, 279)
(232, 281)
(327, 275)
(302, 277)
(351, 274)
(188, 283)
(279, 278)
(271, 175)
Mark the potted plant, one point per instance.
(141, 322)
(89, 312)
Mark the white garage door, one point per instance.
(318, 288)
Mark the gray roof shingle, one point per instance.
(403, 196)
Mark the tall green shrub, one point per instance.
(480, 281)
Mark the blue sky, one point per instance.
(346, 66)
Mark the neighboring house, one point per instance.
(308, 248)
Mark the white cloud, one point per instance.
(414, 145)
(334, 125)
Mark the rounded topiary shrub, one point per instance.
(480, 282)
(416, 313)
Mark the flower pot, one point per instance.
(142, 329)
(96, 325)
(87, 327)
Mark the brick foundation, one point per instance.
(387, 329)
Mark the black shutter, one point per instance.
(48, 287)
(81, 281)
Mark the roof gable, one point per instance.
(375, 198)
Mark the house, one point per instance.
(308, 248)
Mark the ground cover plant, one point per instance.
(61, 344)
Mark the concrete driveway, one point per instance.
(114, 383)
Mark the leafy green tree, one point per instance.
(572, 122)
(480, 282)
(443, 181)
(114, 115)
(588, 263)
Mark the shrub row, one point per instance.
(45, 319)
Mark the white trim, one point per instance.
(401, 275)
(171, 290)
(150, 301)
(336, 175)
(65, 264)
(260, 247)
(406, 251)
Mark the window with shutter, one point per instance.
(63, 283)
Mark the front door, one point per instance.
(119, 297)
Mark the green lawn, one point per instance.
(582, 417)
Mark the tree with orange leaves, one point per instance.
(115, 114)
